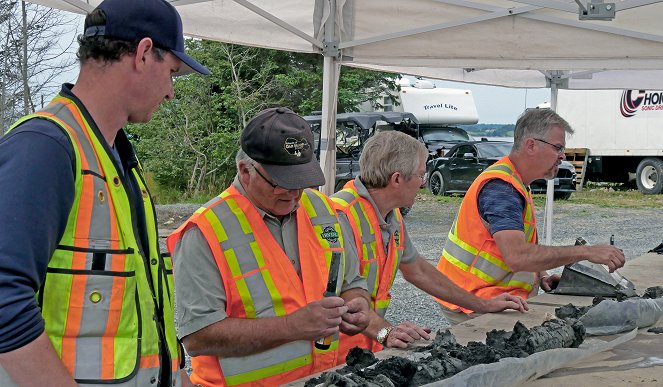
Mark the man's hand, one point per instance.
(550, 282)
(357, 317)
(503, 302)
(319, 318)
(406, 333)
(606, 255)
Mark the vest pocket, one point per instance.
(93, 320)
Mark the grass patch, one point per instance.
(602, 196)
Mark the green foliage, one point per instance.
(490, 130)
(189, 146)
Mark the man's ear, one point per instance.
(143, 49)
(396, 178)
(530, 145)
(243, 171)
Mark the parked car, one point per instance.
(457, 169)
(439, 139)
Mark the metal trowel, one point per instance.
(585, 278)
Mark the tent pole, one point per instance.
(330, 74)
(331, 70)
(550, 189)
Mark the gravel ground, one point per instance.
(636, 231)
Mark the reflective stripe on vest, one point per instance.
(261, 282)
(378, 267)
(476, 259)
(96, 300)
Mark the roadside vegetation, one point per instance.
(189, 146)
(601, 195)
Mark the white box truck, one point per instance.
(623, 130)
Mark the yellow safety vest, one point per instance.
(107, 308)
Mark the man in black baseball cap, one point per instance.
(83, 233)
(282, 142)
(254, 263)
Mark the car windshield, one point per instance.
(492, 150)
(444, 134)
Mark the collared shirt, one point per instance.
(388, 226)
(200, 297)
(501, 206)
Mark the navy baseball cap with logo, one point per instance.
(133, 20)
(282, 142)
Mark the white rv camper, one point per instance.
(435, 105)
(437, 111)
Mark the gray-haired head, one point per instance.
(536, 123)
(388, 152)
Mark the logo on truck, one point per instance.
(634, 100)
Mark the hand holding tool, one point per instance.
(325, 342)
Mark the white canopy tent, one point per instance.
(445, 39)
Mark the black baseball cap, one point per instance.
(133, 20)
(282, 142)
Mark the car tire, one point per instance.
(405, 211)
(649, 176)
(436, 184)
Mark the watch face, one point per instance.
(382, 335)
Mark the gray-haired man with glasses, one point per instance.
(492, 246)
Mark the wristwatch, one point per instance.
(382, 335)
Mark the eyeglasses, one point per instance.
(422, 177)
(274, 186)
(558, 148)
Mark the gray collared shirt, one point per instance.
(388, 226)
(200, 297)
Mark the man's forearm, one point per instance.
(426, 277)
(236, 337)
(36, 364)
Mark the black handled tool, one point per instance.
(325, 342)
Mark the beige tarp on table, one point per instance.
(638, 360)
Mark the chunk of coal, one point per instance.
(359, 357)
(571, 311)
(448, 358)
(653, 292)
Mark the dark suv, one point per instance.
(457, 169)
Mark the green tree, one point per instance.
(191, 142)
(31, 57)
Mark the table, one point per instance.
(638, 362)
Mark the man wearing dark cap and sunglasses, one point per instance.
(251, 266)
(84, 293)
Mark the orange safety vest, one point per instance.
(471, 258)
(108, 308)
(379, 268)
(260, 281)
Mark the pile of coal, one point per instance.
(445, 357)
